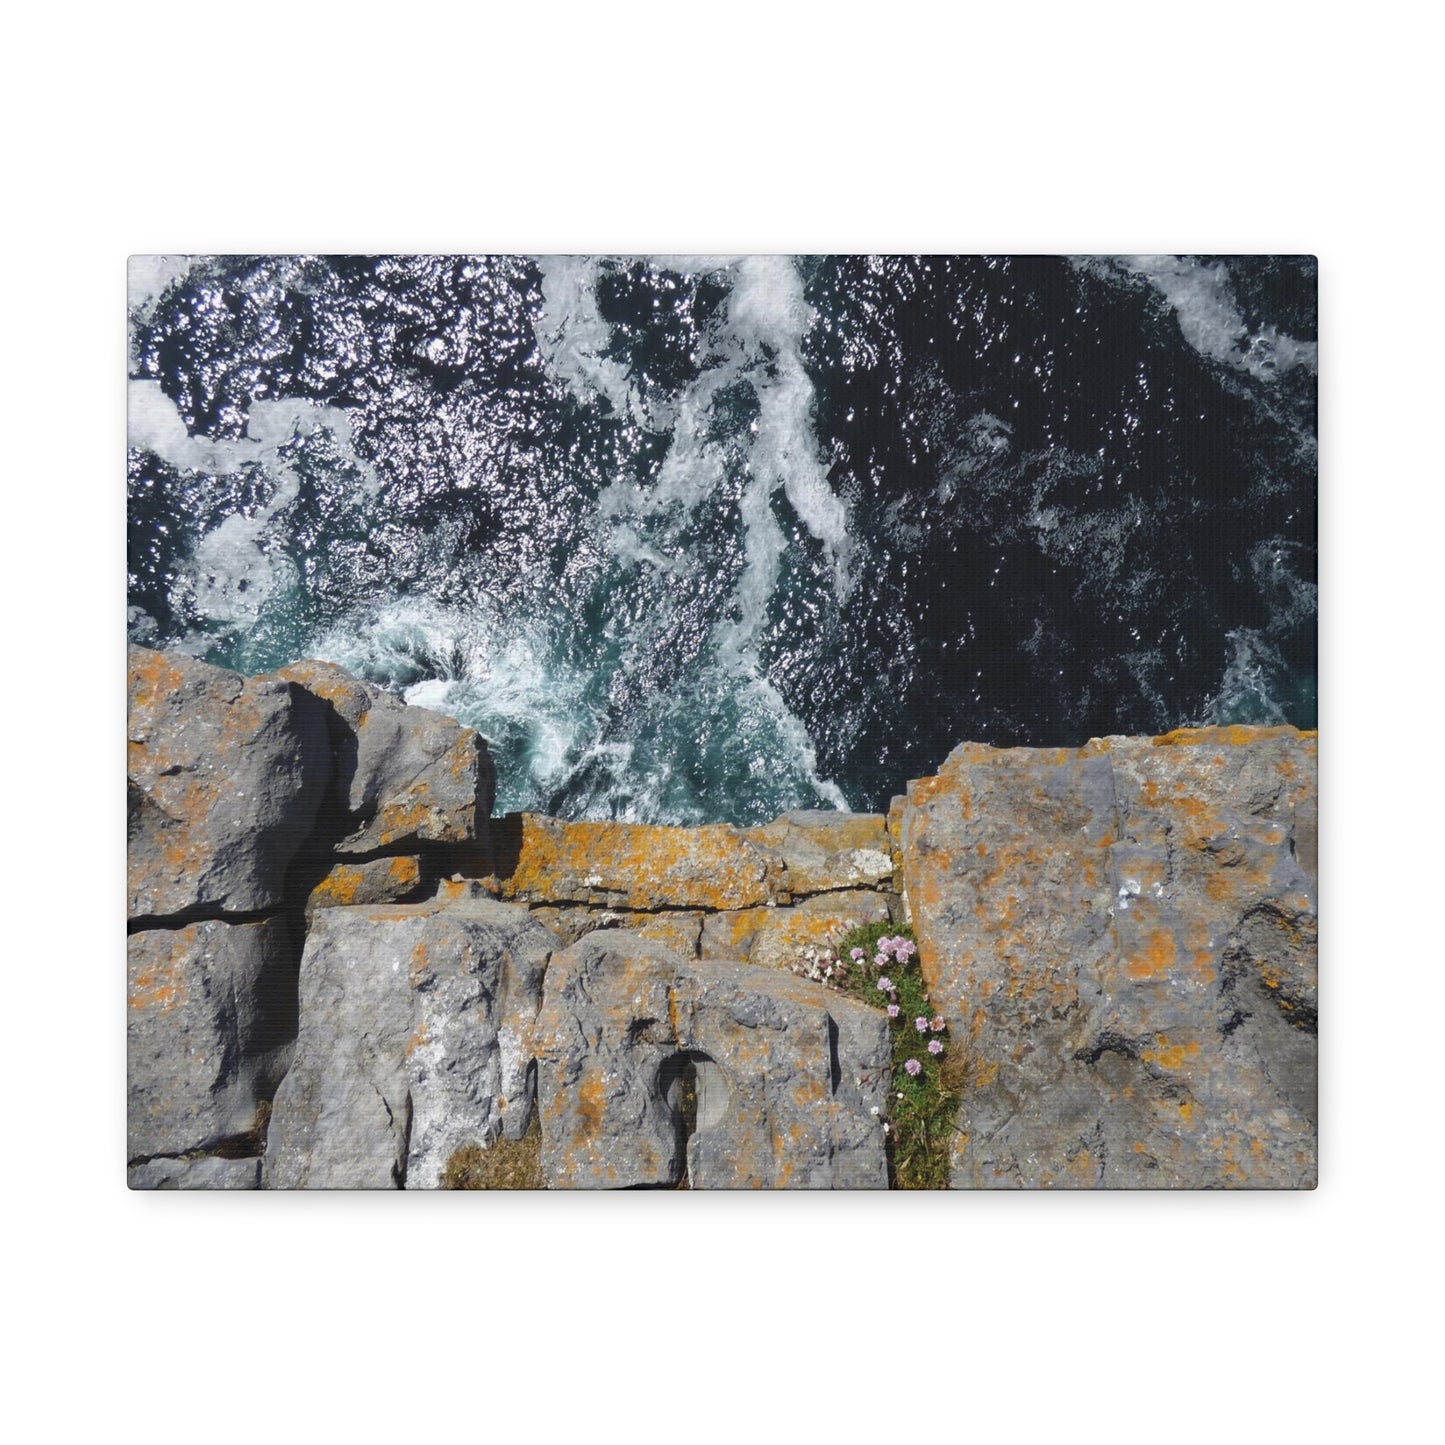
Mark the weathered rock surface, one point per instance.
(784, 1074)
(207, 1028)
(204, 1173)
(1122, 939)
(382, 880)
(640, 866)
(777, 937)
(225, 776)
(415, 1039)
(678, 928)
(826, 850)
(405, 774)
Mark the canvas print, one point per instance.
(721, 722)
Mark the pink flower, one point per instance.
(938, 1025)
(893, 1010)
(857, 954)
(913, 1067)
(885, 985)
(934, 1047)
(921, 1025)
(879, 959)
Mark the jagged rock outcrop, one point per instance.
(403, 774)
(225, 776)
(1122, 939)
(415, 1039)
(783, 1075)
(254, 804)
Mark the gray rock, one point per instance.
(819, 921)
(225, 776)
(400, 879)
(778, 937)
(788, 1074)
(406, 774)
(203, 1173)
(784, 1074)
(673, 926)
(638, 867)
(207, 1028)
(1122, 939)
(827, 850)
(415, 1039)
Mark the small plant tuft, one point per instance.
(502, 1164)
(879, 965)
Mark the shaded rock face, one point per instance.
(1122, 938)
(255, 804)
(404, 774)
(415, 1039)
(225, 777)
(209, 1018)
(652, 1066)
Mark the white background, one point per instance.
(268, 127)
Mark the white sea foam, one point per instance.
(1247, 691)
(1202, 298)
(148, 278)
(573, 336)
(795, 735)
(233, 573)
(767, 311)
(759, 337)
(237, 567)
(506, 677)
(545, 717)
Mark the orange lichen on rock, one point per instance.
(153, 678)
(1156, 959)
(642, 866)
(1233, 735)
(681, 931)
(340, 886)
(784, 934)
(591, 1099)
(161, 982)
(1098, 924)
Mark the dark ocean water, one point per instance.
(693, 539)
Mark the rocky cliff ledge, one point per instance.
(343, 972)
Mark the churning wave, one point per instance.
(695, 538)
